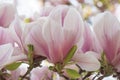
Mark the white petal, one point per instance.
(6, 52)
(87, 61)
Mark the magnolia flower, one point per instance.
(19, 30)
(7, 14)
(6, 55)
(107, 29)
(54, 37)
(8, 51)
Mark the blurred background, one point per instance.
(87, 8)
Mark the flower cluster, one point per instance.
(58, 45)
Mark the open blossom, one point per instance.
(107, 29)
(57, 35)
(7, 50)
(7, 14)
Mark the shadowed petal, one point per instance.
(87, 61)
(6, 52)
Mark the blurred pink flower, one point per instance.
(6, 41)
(19, 30)
(6, 55)
(6, 52)
(7, 14)
(42, 73)
(57, 34)
(107, 29)
(46, 11)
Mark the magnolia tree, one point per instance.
(58, 45)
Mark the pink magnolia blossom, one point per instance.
(7, 48)
(107, 29)
(7, 14)
(6, 55)
(56, 35)
(19, 30)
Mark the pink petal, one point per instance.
(73, 29)
(46, 11)
(6, 52)
(87, 61)
(36, 38)
(107, 29)
(7, 13)
(58, 14)
(88, 39)
(5, 36)
(16, 31)
(41, 74)
(51, 31)
(90, 42)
